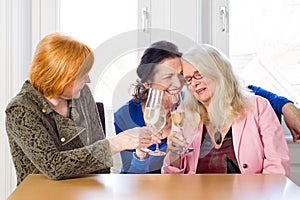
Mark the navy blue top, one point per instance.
(129, 116)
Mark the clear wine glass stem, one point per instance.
(157, 147)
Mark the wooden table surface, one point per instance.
(158, 186)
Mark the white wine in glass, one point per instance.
(155, 115)
(155, 118)
(178, 116)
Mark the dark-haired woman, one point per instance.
(160, 66)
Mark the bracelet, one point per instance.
(140, 158)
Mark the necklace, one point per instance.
(218, 137)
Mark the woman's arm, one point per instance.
(131, 162)
(292, 119)
(26, 129)
(282, 106)
(277, 102)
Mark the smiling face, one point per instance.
(167, 75)
(202, 87)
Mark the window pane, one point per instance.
(264, 44)
(97, 23)
(94, 21)
(104, 25)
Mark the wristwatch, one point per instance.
(140, 158)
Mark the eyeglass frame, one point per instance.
(196, 76)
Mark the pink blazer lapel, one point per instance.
(237, 132)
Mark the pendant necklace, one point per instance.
(218, 137)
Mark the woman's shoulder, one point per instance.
(27, 97)
(255, 99)
(256, 103)
(129, 106)
(129, 115)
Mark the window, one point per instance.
(94, 21)
(264, 44)
(107, 27)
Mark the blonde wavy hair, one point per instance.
(58, 61)
(227, 102)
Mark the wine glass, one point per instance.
(155, 115)
(178, 116)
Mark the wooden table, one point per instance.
(157, 186)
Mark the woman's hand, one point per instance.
(134, 138)
(141, 154)
(177, 143)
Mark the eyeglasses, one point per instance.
(196, 75)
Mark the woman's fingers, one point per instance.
(176, 142)
(155, 139)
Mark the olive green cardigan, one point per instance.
(43, 141)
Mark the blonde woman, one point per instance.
(235, 131)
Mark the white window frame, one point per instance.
(214, 27)
(22, 24)
(45, 19)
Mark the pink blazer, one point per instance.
(258, 141)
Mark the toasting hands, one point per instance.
(134, 138)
